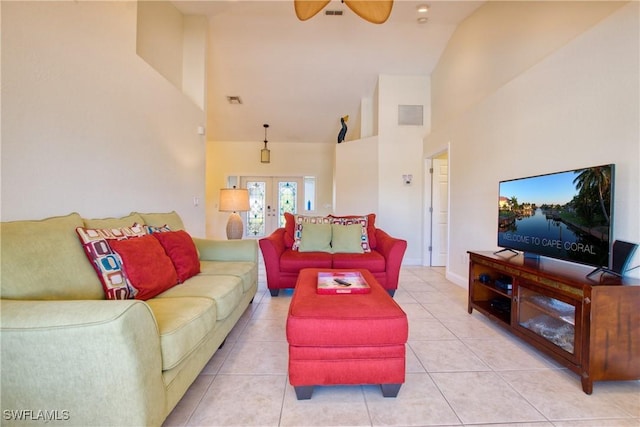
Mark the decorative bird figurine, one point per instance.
(343, 130)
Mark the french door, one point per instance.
(269, 199)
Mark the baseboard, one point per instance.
(457, 279)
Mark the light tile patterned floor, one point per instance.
(461, 370)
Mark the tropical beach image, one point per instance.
(564, 215)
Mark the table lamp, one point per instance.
(234, 200)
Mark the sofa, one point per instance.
(348, 242)
(71, 356)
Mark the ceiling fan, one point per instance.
(374, 11)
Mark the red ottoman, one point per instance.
(345, 338)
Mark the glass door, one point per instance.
(269, 199)
(549, 319)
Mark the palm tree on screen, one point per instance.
(595, 179)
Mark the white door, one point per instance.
(440, 214)
(269, 199)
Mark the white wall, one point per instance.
(87, 125)
(400, 152)
(501, 40)
(356, 177)
(577, 107)
(175, 45)
(287, 159)
(159, 38)
(369, 171)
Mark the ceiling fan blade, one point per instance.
(374, 11)
(306, 9)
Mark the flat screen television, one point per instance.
(564, 215)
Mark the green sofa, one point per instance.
(69, 356)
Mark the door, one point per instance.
(440, 212)
(269, 199)
(551, 320)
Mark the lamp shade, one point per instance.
(234, 200)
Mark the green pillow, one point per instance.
(315, 238)
(346, 238)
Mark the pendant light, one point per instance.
(265, 154)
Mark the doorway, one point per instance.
(439, 209)
(269, 199)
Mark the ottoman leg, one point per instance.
(390, 390)
(304, 392)
(274, 292)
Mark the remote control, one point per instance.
(342, 282)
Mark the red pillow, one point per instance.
(182, 251)
(289, 229)
(146, 265)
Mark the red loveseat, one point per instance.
(283, 262)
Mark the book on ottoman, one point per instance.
(343, 282)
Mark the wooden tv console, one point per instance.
(590, 325)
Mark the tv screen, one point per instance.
(564, 215)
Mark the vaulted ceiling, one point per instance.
(300, 77)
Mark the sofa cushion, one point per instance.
(371, 227)
(372, 261)
(293, 261)
(182, 325)
(182, 251)
(170, 219)
(346, 238)
(146, 265)
(106, 263)
(315, 237)
(245, 270)
(226, 291)
(125, 221)
(43, 260)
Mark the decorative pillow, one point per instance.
(172, 219)
(315, 238)
(346, 238)
(360, 220)
(146, 265)
(371, 227)
(182, 251)
(108, 265)
(300, 220)
(289, 229)
(153, 229)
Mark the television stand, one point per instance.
(590, 326)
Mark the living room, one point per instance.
(68, 111)
(88, 126)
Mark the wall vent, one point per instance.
(410, 115)
(333, 12)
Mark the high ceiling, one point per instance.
(301, 77)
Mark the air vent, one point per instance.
(410, 115)
(333, 12)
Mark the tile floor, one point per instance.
(461, 370)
